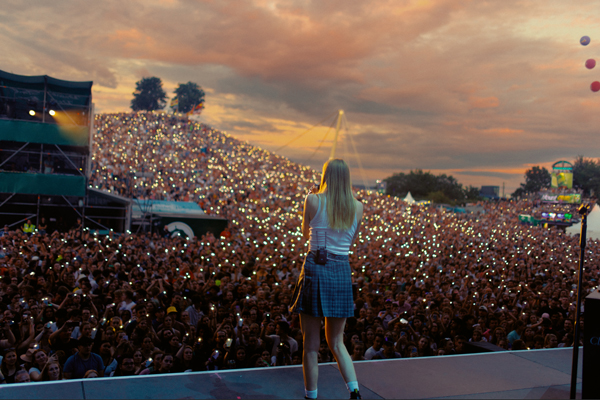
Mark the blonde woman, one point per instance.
(331, 221)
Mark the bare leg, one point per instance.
(311, 337)
(334, 333)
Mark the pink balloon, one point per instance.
(591, 63)
(595, 86)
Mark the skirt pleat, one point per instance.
(324, 290)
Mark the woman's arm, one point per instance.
(263, 332)
(93, 307)
(10, 337)
(153, 335)
(35, 377)
(54, 335)
(62, 304)
(311, 204)
(413, 332)
(25, 343)
(310, 209)
(38, 338)
(394, 321)
(179, 354)
(38, 377)
(359, 215)
(43, 369)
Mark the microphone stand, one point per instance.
(583, 211)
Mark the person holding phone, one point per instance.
(331, 221)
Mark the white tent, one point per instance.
(593, 225)
(409, 199)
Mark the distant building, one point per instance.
(490, 192)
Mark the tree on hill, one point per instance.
(448, 185)
(417, 182)
(188, 95)
(536, 179)
(439, 197)
(586, 175)
(472, 193)
(149, 95)
(425, 185)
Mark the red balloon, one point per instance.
(591, 63)
(595, 86)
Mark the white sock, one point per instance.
(352, 386)
(311, 394)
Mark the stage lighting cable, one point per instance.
(303, 133)
(322, 141)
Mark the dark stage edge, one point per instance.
(533, 374)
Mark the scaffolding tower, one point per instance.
(46, 127)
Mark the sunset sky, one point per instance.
(481, 90)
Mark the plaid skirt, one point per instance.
(324, 290)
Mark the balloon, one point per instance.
(595, 86)
(585, 40)
(591, 63)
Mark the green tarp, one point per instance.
(37, 81)
(528, 219)
(37, 132)
(53, 185)
(66, 93)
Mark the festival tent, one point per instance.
(593, 225)
(409, 199)
(182, 218)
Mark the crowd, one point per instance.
(427, 282)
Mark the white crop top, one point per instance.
(321, 234)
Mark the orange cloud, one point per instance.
(508, 171)
(484, 102)
(503, 131)
(131, 41)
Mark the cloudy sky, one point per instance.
(478, 89)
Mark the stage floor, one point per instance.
(533, 374)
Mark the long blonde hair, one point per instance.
(336, 184)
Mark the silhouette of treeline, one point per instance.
(423, 185)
